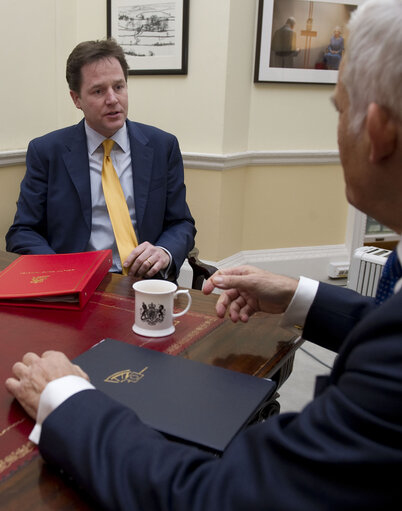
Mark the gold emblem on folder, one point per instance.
(40, 279)
(126, 376)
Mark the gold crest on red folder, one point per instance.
(40, 279)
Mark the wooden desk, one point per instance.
(259, 348)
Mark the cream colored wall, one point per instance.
(246, 208)
(303, 216)
(216, 108)
(292, 117)
(191, 106)
(28, 89)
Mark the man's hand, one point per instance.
(249, 290)
(146, 260)
(33, 374)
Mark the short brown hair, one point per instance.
(91, 51)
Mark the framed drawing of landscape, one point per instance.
(152, 33)
(301, 40)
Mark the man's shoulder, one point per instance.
(146, 131)
(60, 136)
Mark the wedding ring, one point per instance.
(149, 261)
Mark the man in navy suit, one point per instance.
(344, 450)
(62, 208)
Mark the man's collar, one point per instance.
(94, 139)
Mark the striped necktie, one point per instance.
(124, 234)
(391, 273)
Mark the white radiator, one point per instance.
(366, 268)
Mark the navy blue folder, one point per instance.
(186, 400)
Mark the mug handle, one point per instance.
(180, 292)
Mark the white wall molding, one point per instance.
(253, 158)
(222, 161)
(9, 158)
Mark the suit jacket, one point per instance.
(342, 452)
(54, 208)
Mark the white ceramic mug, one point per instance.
(154, 307)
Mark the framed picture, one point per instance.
(152, 33)
(300, 40)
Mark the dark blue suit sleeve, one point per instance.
(178, 230)
(333, 314)
(343, 451)
(28, 233)
(54, 206)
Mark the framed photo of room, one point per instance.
(152, 33)
(301, 41)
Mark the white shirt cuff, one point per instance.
(296, 313)
(53, 395)
(165, 272)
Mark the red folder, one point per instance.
(64, 281)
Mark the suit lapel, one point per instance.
(77, 164)
(142, 159)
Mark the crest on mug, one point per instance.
(152, 313)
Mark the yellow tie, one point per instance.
(117, 206)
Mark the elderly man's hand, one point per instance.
(248, 290)
(33, 373)
(146, 260)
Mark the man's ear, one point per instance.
(382, 132)
(76, 99)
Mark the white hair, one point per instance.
(373, 67)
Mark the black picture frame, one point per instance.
(152, 33)
(306, 58)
